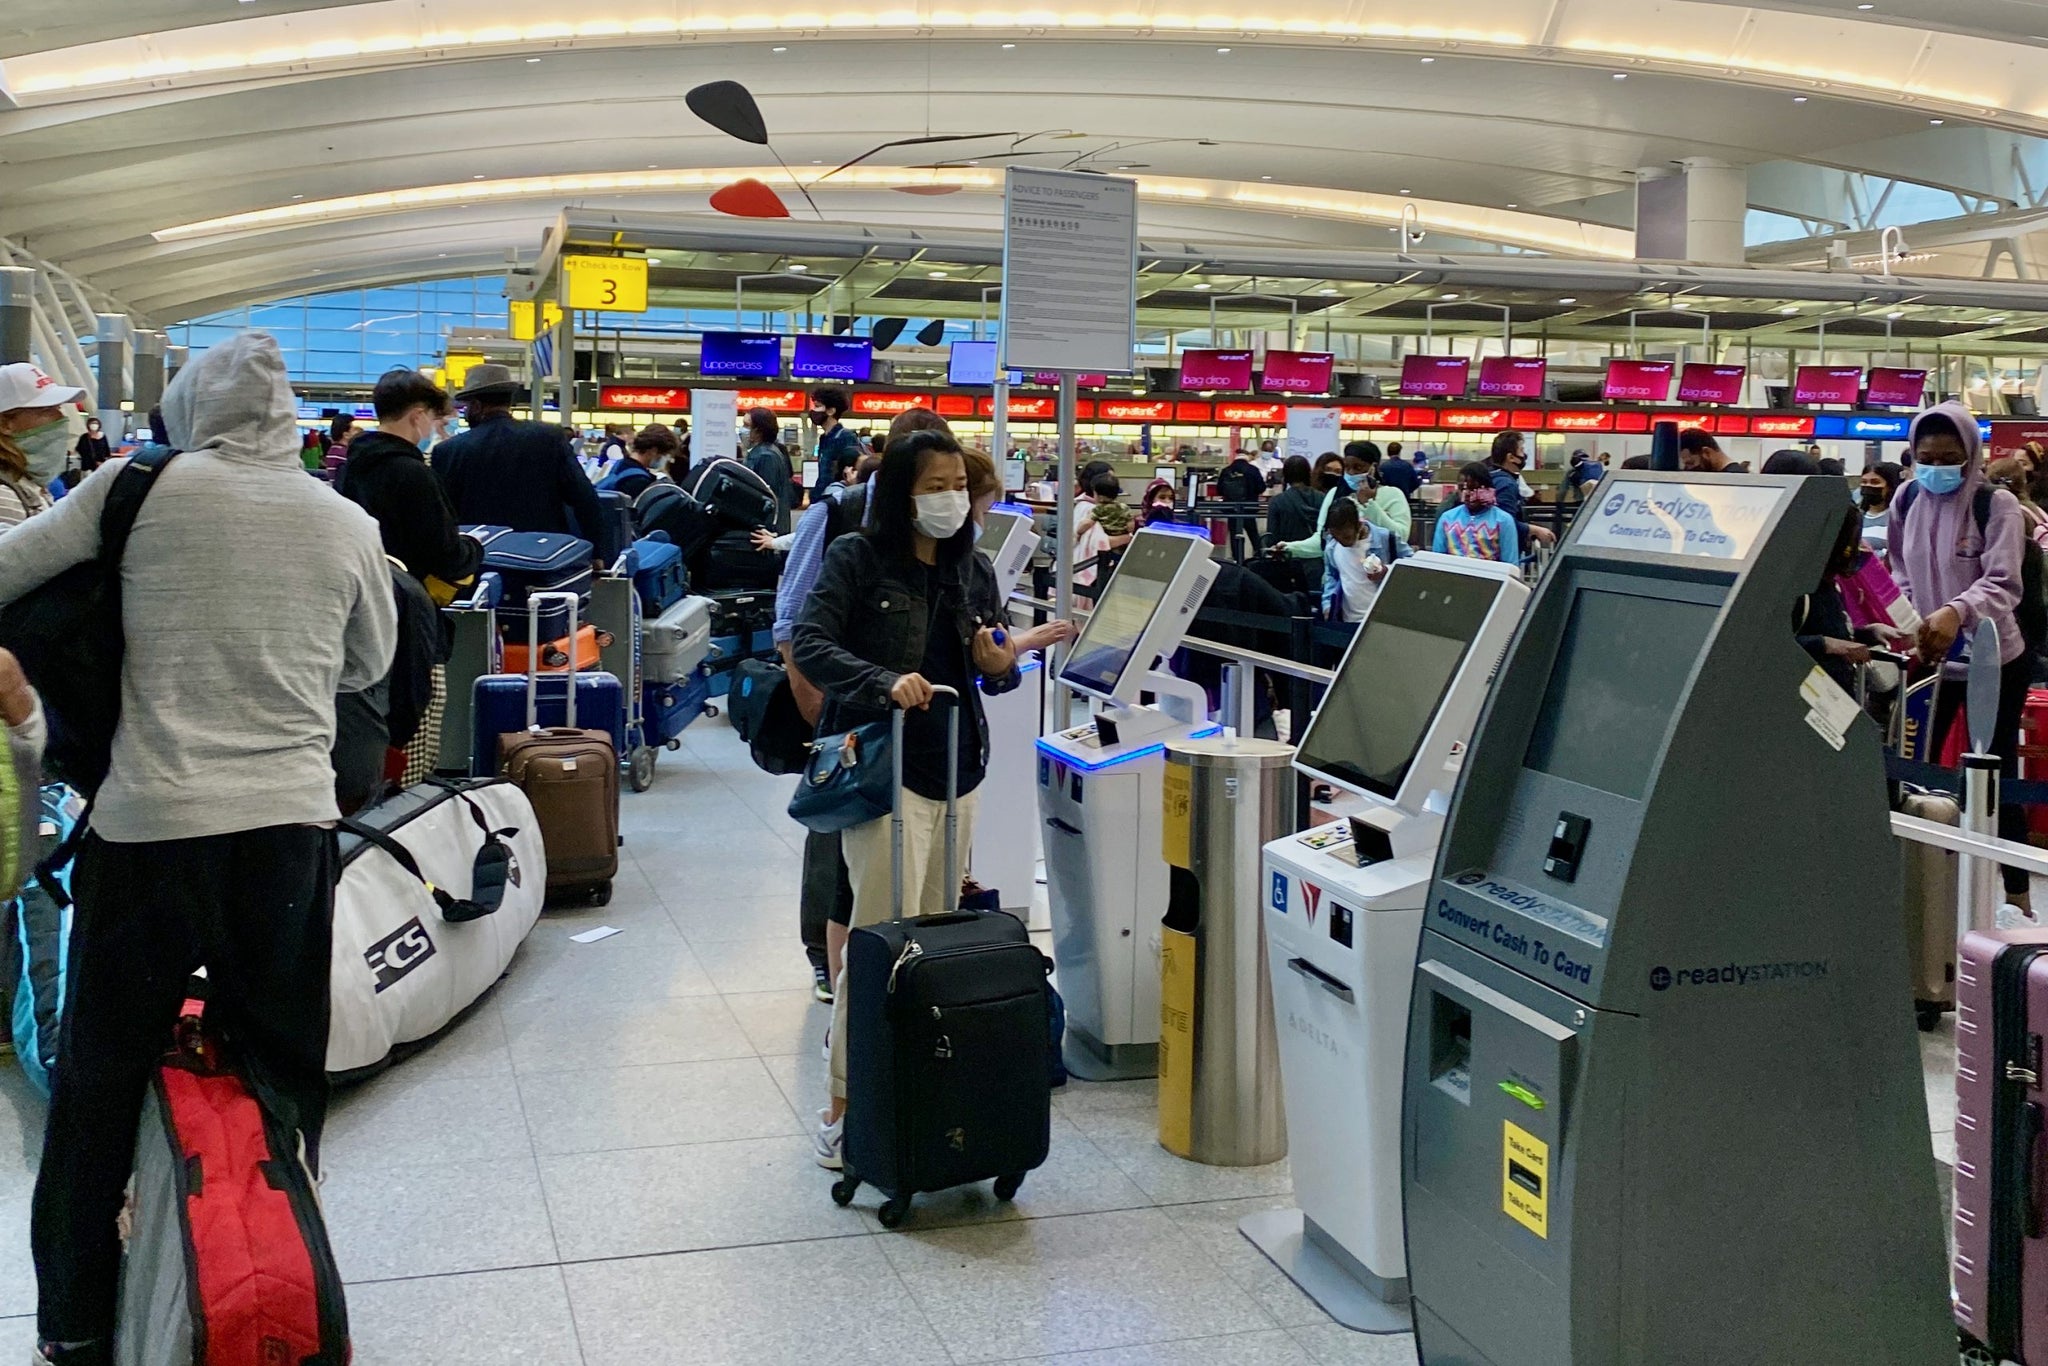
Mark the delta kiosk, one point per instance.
(1100, 791)
(1005, 853)
(1663, 1097)
(1344, 913)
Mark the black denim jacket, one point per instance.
(863, 627)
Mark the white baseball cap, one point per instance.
(24, 386)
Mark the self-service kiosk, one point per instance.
(1344, 911)
(1100, 789)
(1663, 1097)
(1006, 844)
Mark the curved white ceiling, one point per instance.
(300, 122)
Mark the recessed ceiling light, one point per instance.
(1681, 305)
(778, 49)
(1866, 7)
(1326, 291)
(1223, 49)
(1265, 177)
(1427, 60)
(817, 161)
(476, 177)
(1448, 297)
(1999, 319)
(1514, 206)
(532, 61)
(1201, 286)
(1568, 300)
(1799, 99)
(796, 268)
(654, 260)
(1407, 192)
(1008, 46)
(1937, 122)
(1621, 75)
(298, 196)
(1789, 309)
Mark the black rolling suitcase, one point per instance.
(946, 1075)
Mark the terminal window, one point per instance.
(1620, 673)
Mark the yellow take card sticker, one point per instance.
(1176, 834)
(1525, 1179)
(1176, 1040)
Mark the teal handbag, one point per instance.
(849, 779)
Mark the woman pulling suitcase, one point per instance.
(898, 611)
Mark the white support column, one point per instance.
(1699, 214)
(115, 338)
(149, 370)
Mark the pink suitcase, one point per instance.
(2001, 1198)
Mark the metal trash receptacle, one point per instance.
(1219, 1060)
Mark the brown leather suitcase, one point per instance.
(571, 776)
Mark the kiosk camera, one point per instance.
(1006, 845)
(1344, 911)
(1100, 789)
(1663, 1096)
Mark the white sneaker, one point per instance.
(827, 1144)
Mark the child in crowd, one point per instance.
(1109, 527)
(1356, 558)
(1476, 528)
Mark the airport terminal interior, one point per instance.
(1489, 564)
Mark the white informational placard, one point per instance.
(1703, 521)
(714, 424)
(1315, 431)
(1013, 475)
(1070, 271)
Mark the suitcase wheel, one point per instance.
(1008, 1186)
(1927, 1016)
(843, 1190)
(894, 1212)
(640, 770)
(602, 896)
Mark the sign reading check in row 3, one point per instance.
(1070, 271)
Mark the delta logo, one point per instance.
(1311, 900)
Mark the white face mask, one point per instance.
(46, 446)
(940, 515)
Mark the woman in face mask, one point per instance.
(93, 447)
(1475, 527)
(35, 439)
(903, 607)
(1875, 489)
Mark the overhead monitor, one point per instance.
(1414, 678)
(971, 364)
(842, 358)
(1297, 372)
(1638, 381)
(1435, 376)
(1712, 383)
(1228, 371)
(1512, 376)
(1897, 388)
(1009, 537)
(1814, 385)
(1050, 379)
(1151, 601)
(741, 355)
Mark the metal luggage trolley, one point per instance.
(615, 609)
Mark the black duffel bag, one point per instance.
(763, 711)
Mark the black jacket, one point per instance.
(389, 478)
(771, 462)
(387, 714)
(523, 475)
(1396, 472)
(863, 627)
(1291, 515)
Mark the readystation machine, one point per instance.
(1100, 794)
(1005, 853)
(1343, 914)
(1663, 1097)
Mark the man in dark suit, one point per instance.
(522, 475)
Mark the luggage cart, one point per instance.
(615, 609)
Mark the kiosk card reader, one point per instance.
(1006, 844)
(1663, 1097)
(1100, 791)
(1344, 912)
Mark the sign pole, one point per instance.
(1063, 595)
(1000, 438)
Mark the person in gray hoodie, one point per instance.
(250, 596)
(1956, 550)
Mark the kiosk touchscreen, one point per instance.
(1100, 789)
(1663, 1095)
(1344, 911)
(1006, 844)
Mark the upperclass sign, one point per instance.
(1703, 521)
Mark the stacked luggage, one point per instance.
(711, 519)
(742, 627)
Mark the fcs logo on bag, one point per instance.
(1311, 900)
(398, 953)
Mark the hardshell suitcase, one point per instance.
(1927, 878)
(554, 654)
(571, 776)
(673, 645)
(669, 708)
(946, 1043)
(227, 1258)
(537, 562)
(732, 562)
(659, 576)
(741, 611)
(2001, 1240)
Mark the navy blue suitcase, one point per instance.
(659, 576)
(498, 702)
(667, 709)
(537, 562)
(618, 516)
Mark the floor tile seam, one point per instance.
(559, 1070)
(1149, 1342)
(797, 1132)
(911, 1297)
(540, 1183)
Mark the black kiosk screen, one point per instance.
(1377, 714)
(1619, 675)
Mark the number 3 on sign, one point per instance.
(615, 284)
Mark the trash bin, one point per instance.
(1219, 1061)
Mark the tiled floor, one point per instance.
(608, 1161)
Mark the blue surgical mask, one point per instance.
(1354, 481)
(1939, 478)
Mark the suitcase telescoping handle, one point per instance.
(939, 690)
(534, 602)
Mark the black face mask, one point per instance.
(1871, 499)
(820, 418)
(1328, 480)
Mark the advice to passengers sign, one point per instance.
(1070, 271)
(1708, 521)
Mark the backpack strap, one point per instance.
(453, 911)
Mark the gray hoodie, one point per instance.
(251, 595)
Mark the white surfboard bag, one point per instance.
(439, 886)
